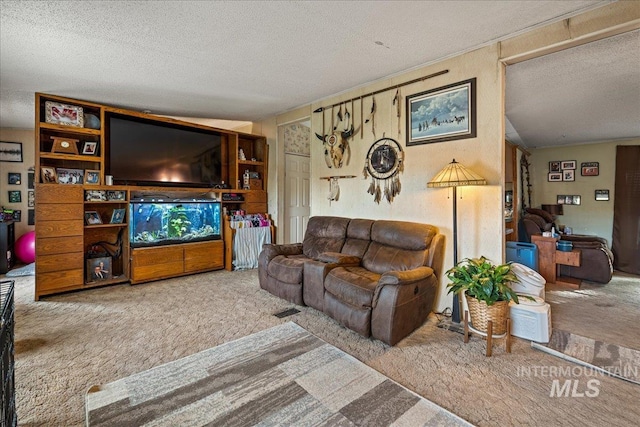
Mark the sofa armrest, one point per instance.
(404, 277)
(271, 250)
(338, 258)
(402, 302)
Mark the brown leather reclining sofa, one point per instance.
(378, 278)
(596, 259)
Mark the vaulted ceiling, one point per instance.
(248, 60)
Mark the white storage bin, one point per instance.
(531, 320)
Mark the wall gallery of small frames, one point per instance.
(565, 170)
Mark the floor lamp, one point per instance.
(455, 175)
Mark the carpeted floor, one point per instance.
(280, 376)
(607, 313)
(66, 343)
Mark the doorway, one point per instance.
(296, 187)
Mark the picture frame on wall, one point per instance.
(602, 195)
(569, 175)
(31, 178)
(560, 199)
(11, 152)
(568, 164)
(554, 177)
(31, 217)
(17, 215)
(446, 113)
(554, 166)
(15, 196)
(31, 198)
(14, 178)
(590, 168)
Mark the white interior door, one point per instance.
(296, 190)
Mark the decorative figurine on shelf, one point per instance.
(241, 155)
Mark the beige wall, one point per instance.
(591, 216)
(480, 209)
(26, 137)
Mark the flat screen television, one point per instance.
(148, 152)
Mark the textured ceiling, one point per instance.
(589, 93)
(238, 60)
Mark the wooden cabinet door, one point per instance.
(203, 256)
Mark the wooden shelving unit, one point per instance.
(62, 236)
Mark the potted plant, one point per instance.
(486, 289)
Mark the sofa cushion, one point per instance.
(324, 234)
(287, 269)
(398, 246)
(358, 237)
(540, 212)
(352, 285)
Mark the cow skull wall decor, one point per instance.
(336, 144)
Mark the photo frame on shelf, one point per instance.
(446, 113)
(90, 148)
(92, 177)
(92, 218)
(569, 175)
(590, 168)
(15, 196)
(70, 176)
(117, 217)
(554, 176)
(95, 196)
(48, 175)
(64, 145)
(116, 195)
(568, 164)
(14, 178)
(602, 195)
(99, 269)
(11, 152)
(63, 114)
(554, 166)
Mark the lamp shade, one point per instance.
(455, 175)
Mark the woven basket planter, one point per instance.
(481, 313)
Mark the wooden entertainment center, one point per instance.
(64, 237)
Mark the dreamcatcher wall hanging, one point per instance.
(384, 164)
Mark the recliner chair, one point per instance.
(596, 264)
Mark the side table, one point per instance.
(549, 259)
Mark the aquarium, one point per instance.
(155, 223)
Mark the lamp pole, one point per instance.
(455, 314)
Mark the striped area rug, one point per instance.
(281, 376)
(612, 359)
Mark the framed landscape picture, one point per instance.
(442, 114)
(11, 152)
